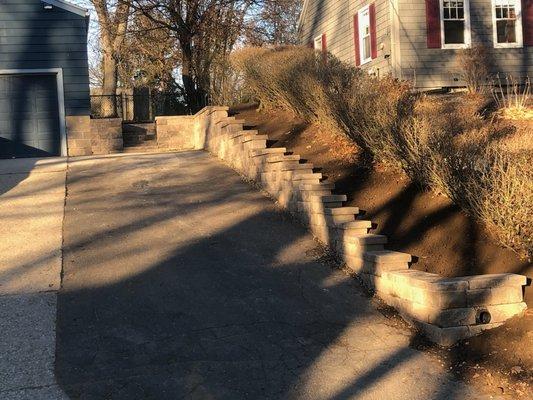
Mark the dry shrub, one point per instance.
(474, 67)
(513, 98)
(449, 147)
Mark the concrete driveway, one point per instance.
(32, 196)
(179, 281)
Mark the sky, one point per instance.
(93, 30)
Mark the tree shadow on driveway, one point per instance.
(180, 282)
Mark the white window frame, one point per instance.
(360, 13)
(518, 26)
(318, 39)
(467, 32)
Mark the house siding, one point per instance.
(435, 68)
(34, 38)
(335, 19)
(402, 40)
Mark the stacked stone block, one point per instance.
(79, 135)
(444, 309)
(176, 133)
(106, 137)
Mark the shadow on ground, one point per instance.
(179, 282)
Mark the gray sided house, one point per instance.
(419, 40)
(44, 78)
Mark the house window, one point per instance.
(319, 44)
(364, 35)
(455, 25)
(507, 23)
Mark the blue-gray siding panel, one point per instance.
(34, 38)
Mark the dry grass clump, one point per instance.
(513, 98)
(446, 144)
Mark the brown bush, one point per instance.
(450, 148)
(474, 65)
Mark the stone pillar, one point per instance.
(106, 135)
(79, 135)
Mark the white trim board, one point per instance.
(58, 72)
(73, 8)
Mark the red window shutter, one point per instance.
(433, 24)
(324, 44)
(373, 37)
(527, 21)
(356, 39)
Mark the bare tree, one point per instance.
(274, 23)
(204, 30)
(113, 21)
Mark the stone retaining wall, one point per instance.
(444, 309)
(106, 135)
(86, 136)
(79, 135)
(176, 133)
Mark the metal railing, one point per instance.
(136, 108)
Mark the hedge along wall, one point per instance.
(444, 309)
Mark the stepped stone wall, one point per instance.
(444, 309)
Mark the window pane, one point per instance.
(366, 47)
(498, 12)
(505, 31)
(454, 32)
(453, 14)
(446, 13)
(505, 13)
(512, 13)
(461, 13)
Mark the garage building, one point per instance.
(44, 75)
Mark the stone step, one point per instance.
(357, 224)
(138, 139)
(238, 134)
(320, 186)
(328, 198)
(231, 121)
(270, 150)
(342, 210)
(141, 128)
(249, 138)
(387, 256)
(276, 158)
(286, 166)
(367, 239)
(295, 176)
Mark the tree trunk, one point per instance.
(109, 87)
(187, 77)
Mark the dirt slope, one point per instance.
(442, 237)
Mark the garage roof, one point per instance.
(73, 8)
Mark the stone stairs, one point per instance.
(139, 137)
(444, 309)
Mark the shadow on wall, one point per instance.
(210, 293)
